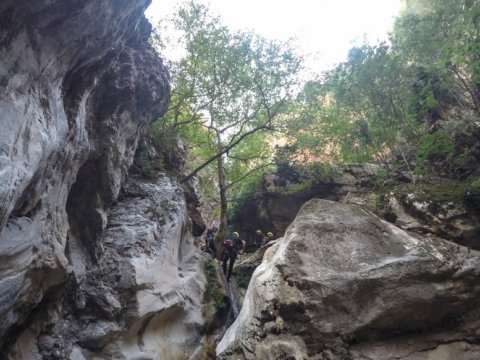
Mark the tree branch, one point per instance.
(459, 74)
(239, 158)
(247, 174)
(224, 150)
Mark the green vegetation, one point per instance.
(411, 103)
(436, 146)
(474, 187)
(214, 291)
(388, 99)
(294, 188)
(380, 176)
(441, 191)
(228, 91)
(148, 162)
(243, 277)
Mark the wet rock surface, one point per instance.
(344, 284)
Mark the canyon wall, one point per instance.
(82, 271)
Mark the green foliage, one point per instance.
(445, 191)
(474, 187)
(162, 137)
(247, 162)
(231, 89)
(227, 79)
(370, 92)
(437, 189)
(380, 176)
(442, 37)
(377, 105)
(148, 163)
(295, 188)
(180, 122)
(243, 277)
(213, 291)
(216, 212)
(435, 147)
(320, 170)
(358, 112)
(208, 187)
(228, 87)
(420, 170)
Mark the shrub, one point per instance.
(243, 277)
(474, 187)
(380, 175)
(148, 163)
(434, 147)
(213, 291)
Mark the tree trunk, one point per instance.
(222, 228)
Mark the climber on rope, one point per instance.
(210, 242)
(259, 239)
(232, 245)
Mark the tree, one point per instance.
(378, 105)
(236, 85)
(358, 111)
(443, 36)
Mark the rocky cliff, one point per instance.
(344, 284)
(83, 271)
(445, 207)
(147, 285)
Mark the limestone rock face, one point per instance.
(78, 85)
(458, 221)
(344, 284)
(142, 299)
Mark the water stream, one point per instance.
(235, 304)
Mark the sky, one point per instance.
(324, 29)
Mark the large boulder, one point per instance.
(344, 284)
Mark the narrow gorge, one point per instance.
(103, 208)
